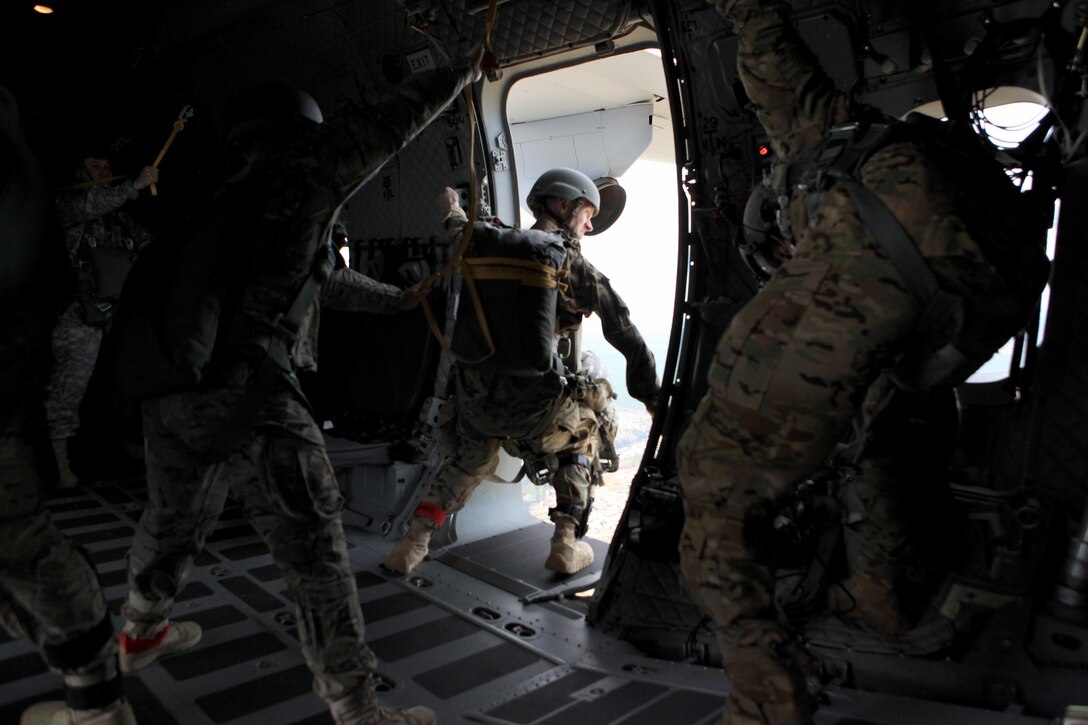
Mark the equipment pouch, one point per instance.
(109, 268)
(95, 313)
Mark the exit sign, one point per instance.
(420, 60)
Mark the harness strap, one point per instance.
(567, 509)
(575, 459)
(847, 148)
(893, 239)
(473, 212)
(524, 271)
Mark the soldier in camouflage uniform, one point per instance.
(49, 591)
(302, 170)
(794, 366)
(99, 234)
(538, 412)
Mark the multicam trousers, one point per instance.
(487, 409)
(795, 365)
(287, 489)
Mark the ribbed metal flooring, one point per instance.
(456, 637)
(467, 648)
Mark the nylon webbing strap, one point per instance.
(524, 271)
(575, 459)
(474, 204)
(893, 239)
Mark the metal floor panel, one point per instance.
(468, 648)
(433, 649)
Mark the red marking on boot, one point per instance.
(431, 511)
(135, 645)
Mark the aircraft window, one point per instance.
(594, 117)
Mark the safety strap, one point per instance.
(890, 235)
(575, 459)
(837, 160)
(576, 512)
(179, 124)
(474, 204)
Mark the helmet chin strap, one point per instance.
(565, 222)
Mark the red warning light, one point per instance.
(764, 150)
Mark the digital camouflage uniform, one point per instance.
(280, 473)
(488, 408)
(794, 366)
(49, 591)
(92, 221)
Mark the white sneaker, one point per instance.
(57, 713)
(362, 708)
(137, 653)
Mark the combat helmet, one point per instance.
(563, 183)
(277, 105)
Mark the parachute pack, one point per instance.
(955, 335)
(506, 319)
(178, 292)
(167, 322)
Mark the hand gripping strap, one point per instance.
(431, 511)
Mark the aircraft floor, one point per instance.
(456, 637)
(469, 649)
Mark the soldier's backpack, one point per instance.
(506, 315)
(165, 334)
(955, 335)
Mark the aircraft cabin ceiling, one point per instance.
(115, 71)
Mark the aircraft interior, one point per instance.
(481, 632)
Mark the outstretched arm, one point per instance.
(622, 334)
(795, 101)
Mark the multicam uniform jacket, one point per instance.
(794, 366)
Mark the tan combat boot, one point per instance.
(411, 548)
(362, 708)
(765, 689)
(68, 479)
(568, 554)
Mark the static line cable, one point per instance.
(455, 261)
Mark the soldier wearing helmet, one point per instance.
(288, 173)
(814, 348)
(539, 416)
